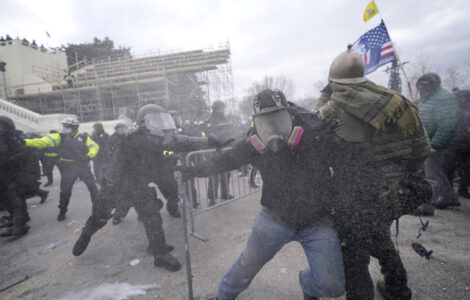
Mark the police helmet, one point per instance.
(71, 122)
(147, 109)
(120, 125)
(98, 126)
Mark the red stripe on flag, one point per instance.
(387, 55)
(387, 47)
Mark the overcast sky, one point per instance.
(296, 39)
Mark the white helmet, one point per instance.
(71, 121)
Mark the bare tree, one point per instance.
(422, 65)
(454, 78)
(281, 83)
(319, 85)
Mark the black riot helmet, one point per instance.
(98, 127)
(272, 119)
(6, 125)
(176, 118)
(156, 119)
(121, 129)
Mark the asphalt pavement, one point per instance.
(117, 266)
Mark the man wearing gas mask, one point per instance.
(137, 160)
(295, 155)
(75, 151)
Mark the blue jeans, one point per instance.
(324, 277)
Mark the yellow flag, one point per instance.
(371, 10)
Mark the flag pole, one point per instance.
(410, 91)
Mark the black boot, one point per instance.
(463, 191)
(5, 221)
(169, 248)
(49, 180)
(61, 215)
(386, 294)
(442, 203)
(64, 200)
(82, 243)
(43, 195)
(382, 289)
(424, 209)
(168, 262)
(15, 231)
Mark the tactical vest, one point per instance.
(73, 148)
(393, 155)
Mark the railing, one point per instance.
(19, 111)
(199, 195)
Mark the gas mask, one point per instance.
(159, 123)
(275, 131)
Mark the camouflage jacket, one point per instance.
(392, 154)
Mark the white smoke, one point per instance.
(111, 291)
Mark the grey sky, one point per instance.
(296, 39)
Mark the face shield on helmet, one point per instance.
(159, 122)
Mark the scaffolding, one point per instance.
(188, 81)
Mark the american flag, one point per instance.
(375, 47)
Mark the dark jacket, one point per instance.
(298, 185)
(102, 139)
(19, 165)
(462, 128)
(439, 114)
(140, 158)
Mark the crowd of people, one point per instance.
(334, 179)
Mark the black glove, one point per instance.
(213, 141)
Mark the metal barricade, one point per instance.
(203, 193)
(200, 195)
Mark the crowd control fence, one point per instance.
(200, 195)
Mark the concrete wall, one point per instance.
(30, 69)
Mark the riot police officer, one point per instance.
(138, 158)
(219, 126)
(75, 151)
(14, 166)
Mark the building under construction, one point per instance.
(115, 87)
